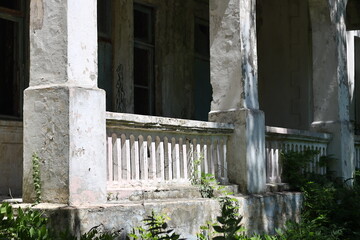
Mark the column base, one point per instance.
(66, 127)
(246, 151)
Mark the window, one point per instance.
(143, 60)
(12, 61)
(203, 89)
(105, 50)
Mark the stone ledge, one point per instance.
(295, 134)
(127, 120)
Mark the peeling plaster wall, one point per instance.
(174, 55)
(11, 136)
(261, 213)
(284, 56)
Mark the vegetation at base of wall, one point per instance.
(28, 224)
(207, 182)
(155, 228)
(36, 177)
(330, 212)
(330, 206)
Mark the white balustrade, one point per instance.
(146, 151)
(283, 140)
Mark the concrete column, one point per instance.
(64, 111)
(235, 94)
(330, 82)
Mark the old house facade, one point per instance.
(119, 97)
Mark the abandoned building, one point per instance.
(125, 101)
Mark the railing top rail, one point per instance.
(296, 135)
(135, 121)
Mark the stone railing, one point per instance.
(147, 151)
(282, 139)
(357, 151)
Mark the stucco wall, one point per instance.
(11, 136)
(174, 55)
(284, 56)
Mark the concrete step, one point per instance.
(134, 194)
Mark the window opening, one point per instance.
(12, 62)
(357, 87)
(203, 88)
(143, 60)
(105, 50)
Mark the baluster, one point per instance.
(213, 162)
(210, 156)
(225, 179)
(134, 157)
(204, 165)
(174, 168)
(119, 160)
(160, 159)
(110, 160)
(218, 165)
(167, 162)
(127, 154)
(199, 158)
(152, 163)
(181, 158)
(191, 157)
(185, 150)
(143, 158)
(267, 161)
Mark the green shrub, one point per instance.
(28, 224)
(155, 228)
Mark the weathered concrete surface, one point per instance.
(331, 103)
(153, 193)
(61, 126)
(64, 111)
(11, 136)
(233, 55)
(262, 213)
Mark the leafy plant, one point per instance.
(208, 185)
(36, 177)
(155, 228)
(28, 224)
(229, 226)
(294, 167)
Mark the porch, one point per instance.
(147, 153)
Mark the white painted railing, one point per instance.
(147, 151)
(357, 152)
(282, 139)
